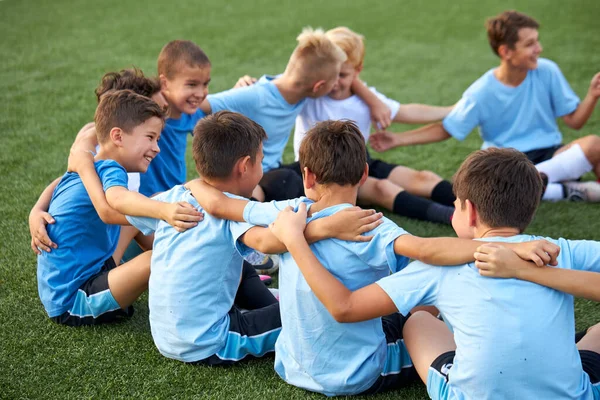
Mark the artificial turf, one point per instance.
(53, 55)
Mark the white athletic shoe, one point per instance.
(588, 191)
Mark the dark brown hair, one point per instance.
(177, 52)
(335, 152)
(221, 139)
(502, 184)
(504, 28)
(132, 79)
(123, 109)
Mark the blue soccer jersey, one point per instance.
(168, 167)
(194, 280)
(514, 338)
(264, 104)
(84, 241)
(314, 351)
(522, 117)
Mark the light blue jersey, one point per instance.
(314, 351)
(264, 104)
(193, 281)
(84, 241)
(522, 117)
(168, 167)
(514, 338)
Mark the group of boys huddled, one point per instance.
(352, 316)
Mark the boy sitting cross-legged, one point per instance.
(79, 282)
(199, 282)
(511, 339)
(313, 350)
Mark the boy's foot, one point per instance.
(264, 264)
(588, 191)
(266, 279)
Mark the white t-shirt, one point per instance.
(324, 108)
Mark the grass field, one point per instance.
(53, 55)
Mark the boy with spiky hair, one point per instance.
(403, 190)
(313, 350)
(504, 343)
(516, 105)
(79, 282)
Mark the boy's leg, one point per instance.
(385, 193)
(427, 338)
(423, 183)
(252, 292)
(398, 370)
(126, 243)
(251, 334)
(589, 350)
(128, 281)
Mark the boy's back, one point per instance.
(514, 338)
(194, 280)
(84, 241)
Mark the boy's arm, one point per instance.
(205, 107)
(578, 118)
(382, 141)
(345, 306)
(39, 218)
(420, 113)
(380, 112)
(494, 260)
(452, 251)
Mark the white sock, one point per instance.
(569, 165)
(554, 192)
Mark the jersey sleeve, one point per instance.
(111, 174)
(417, 284)
(563, 98)
(379, 251)
(237, 230)
(463, 118)
(585, 255)
(262, 214)
(241, 100)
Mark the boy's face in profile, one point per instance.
(461, 220)
(187, 89)
(527, 50)
(140, 146)
(342, 89)
(330, 82)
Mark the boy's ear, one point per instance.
(472, 215)
(359, 68)
(163, 82)
(318, 85)
(243, 164)
(116, 136)
(504, 52)
(365, 175)
(309, 178)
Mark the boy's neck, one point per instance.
(108, 152)
(509, 75)
(172, 112)
(290, 88)
(481, 232)
(333, 195)
(227, 185)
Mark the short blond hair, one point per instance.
(351, 42)
(315, 55)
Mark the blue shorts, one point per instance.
(94, 303)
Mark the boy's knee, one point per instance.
(591, 148)
(427, 176)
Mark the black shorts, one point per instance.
(252, 334)
(398, 371)
(540, 155)
(282, 183)
(94, 304)
(379, 169)
(590, 361)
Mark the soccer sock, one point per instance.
(411, 206)
(566, 166)
(554, 192)
(442, 193)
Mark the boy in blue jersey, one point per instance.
(516, 105)
(199, 282)
(511, 339)
(79, 282)
(313, 350)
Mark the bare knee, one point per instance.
(591, 147)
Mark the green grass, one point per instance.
(53, 55)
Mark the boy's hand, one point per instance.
(350, 224)
(78, 159)
(181, 216)
(541, 252)
(39, 235)
(594, 89)
(381, 141)
(496, 261)
(289, 225)
(244, 81)
(380, 115)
